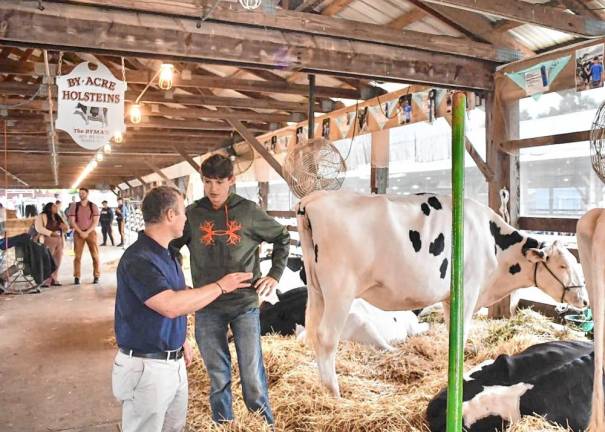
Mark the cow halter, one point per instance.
(565, 287)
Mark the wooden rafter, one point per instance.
(545, 16)
(479, 26)
(336, 7)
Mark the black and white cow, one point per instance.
(92, 113)
(283, 316)
(394, 252)
(368, 325)
(553, 380)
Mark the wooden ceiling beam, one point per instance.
(193, 125)
(183, 152)
(480, 27)
(336, 7)
(409, 17)
(581, 8)
(537, 14)
(197, 113)
(159, 172)
(200, 81)
(102, 30)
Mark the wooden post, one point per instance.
(502, 124)
(379, 176)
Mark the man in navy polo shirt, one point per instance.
(149, 372)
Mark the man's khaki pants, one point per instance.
(153, 393)
(93, 248)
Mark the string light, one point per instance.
(135, 113)
(107, 148)
(118, 137)
(166, 76)
(87, 170)
(99, 156)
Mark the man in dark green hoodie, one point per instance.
(223, 233)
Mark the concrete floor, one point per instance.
(56, 355)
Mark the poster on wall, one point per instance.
(536, 79)
(90, 105)
(589, 67)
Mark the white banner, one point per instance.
(90, 105)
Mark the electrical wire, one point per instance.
(26, 101)
(207, 15)
(354, 130)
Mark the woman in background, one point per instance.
(51, 227)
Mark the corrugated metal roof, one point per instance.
(384, 11)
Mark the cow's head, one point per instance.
(558, 274)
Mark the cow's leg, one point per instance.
(336, 310)
(446, 313)
(313, 314)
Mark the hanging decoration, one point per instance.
(250, 4)
(536, 79)
(90, 105)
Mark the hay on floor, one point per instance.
(380, 391)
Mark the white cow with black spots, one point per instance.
(591, 246)
(394, 252)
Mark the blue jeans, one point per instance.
(211, 337)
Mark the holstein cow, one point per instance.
(368, 325)
(591, 246)
(283, 316)
(552, 380)
(394, 252)
(92, 113)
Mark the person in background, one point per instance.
(149, 374)
(84, 218)
(596, 73)
(60, 211)
(51, 227)
(106, 220)
(121, 219)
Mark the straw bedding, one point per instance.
(380, 391)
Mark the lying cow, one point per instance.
(394, 252)
(591, 241)
(371, 326)
(552, 380)
(283, 316)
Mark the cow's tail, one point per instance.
(315, 301)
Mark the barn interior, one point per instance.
(374, 79)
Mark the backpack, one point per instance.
(79, 204)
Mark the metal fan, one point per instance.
(597, 143)
(242, 156)
(314, 165)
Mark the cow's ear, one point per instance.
(535, 255)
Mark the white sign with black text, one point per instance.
(90, 105)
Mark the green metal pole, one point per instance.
(456, 348)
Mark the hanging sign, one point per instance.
(90, 105)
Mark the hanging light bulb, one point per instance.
(117, 137)
(107, 148)
(166, 76)
(99, 156)
(135, 113)
(250, 4)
